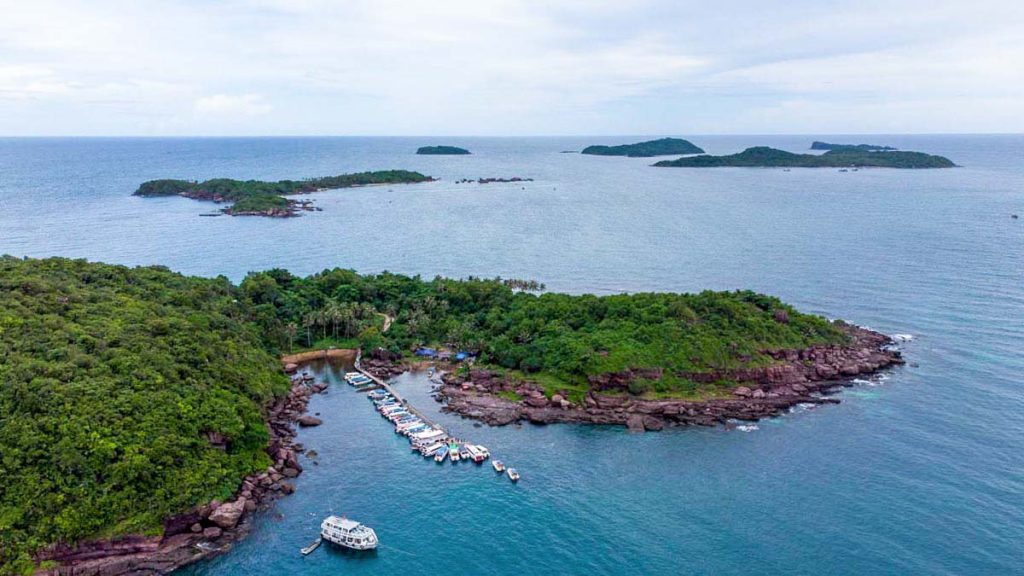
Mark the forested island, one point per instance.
(133, 397)
(442, 150)
(819, 145)
(258, 198)
(765, 157)
(660, 147)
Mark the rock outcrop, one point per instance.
(798, 376)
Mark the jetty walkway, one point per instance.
(387, 387)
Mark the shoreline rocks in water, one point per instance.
(206, 530)
(271, 199)
(801, 376)
(493, 180)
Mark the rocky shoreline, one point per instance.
(291, 210)
(799, 377)
(207, 530)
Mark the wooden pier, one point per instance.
(382, 384)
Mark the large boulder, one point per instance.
(635, 423)
(536, 402)
(653, 423)
(227, 515)
(307, 420)
(742, 392)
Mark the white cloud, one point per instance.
(231, 105)
(505, 66)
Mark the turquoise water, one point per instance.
(922, 472)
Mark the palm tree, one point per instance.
(308, 321)
(291, 329)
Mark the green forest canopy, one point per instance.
(111, 380)
(256, 195)
(765, 157)
(659, 147)
(115, 378)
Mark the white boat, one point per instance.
(428, 435)
(499, 466)
(348, 533)
(512, 474)
(432, 449)
(478, 453)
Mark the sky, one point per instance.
(508, 67)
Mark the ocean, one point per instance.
(917, 471)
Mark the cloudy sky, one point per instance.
(507, 67)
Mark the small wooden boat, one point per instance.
(499, 466)
(311, 547)
(512, 474)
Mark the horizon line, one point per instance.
(623, 135)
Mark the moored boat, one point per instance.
(429, 451)
(513, 475)
(479, 453)
(348, 533)
(441, 453)
(464, 452)
(499, 466)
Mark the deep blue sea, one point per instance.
(919, 472)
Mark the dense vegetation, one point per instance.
(113, 381)
(764, 157)
(442, 150)
(131, 394)
(819, 145)
(561, 336)
(258, 196)
(660, 147)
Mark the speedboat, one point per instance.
(441, 453)
(348, 533)
(479, 453)
(499, 466)
(431, 450)
(464, 452)
(512, 474)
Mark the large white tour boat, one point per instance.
(348, 533)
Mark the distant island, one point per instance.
(765, 157)
(258, 198)
(442, 150)
(819, 145)
(660, 147)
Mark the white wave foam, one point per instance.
(902, 337)
(747, 427)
